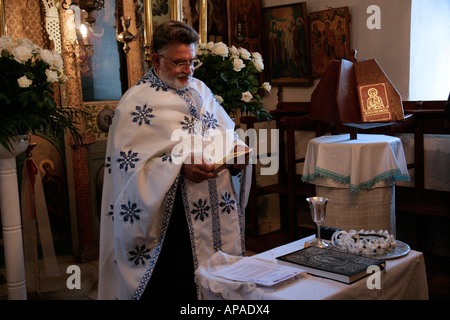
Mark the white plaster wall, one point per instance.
(430, 50)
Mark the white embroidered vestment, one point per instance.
(142, 176)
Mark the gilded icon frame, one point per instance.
(329, 38)
(286, 45)
(2, 18)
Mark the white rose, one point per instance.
(246, 96)
(22, 53)
(266, 86)
(210, 46)
(198, 51)
(256, 56)
(7, 43)
(52, 76)
(245, 54)
(202, 49)
(47, 56)
(26, 43)
(221, 49)
(238, 64)
(24, 82)
(219, 98)
(234, 51)
(259, 65)
(63, 78)
(58, 61)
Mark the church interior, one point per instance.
(406, 39)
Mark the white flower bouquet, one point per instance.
(233, 76)
(27, 74)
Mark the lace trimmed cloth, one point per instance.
(358, 164)
(216, 288)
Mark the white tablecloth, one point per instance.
(403, 278)
(358, 164)
(358, 177)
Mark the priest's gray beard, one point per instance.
(174, 82)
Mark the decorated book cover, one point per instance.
(332, 263)
(374, 102)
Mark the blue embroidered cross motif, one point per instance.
(111, 212)
(201, 210)
(139, 255)
(128, 160)
(130, 212)
(142, 114)
(108, 164)
(192, 125)
(187, 96)
(228, 203)
(159, 86)
(154, 81)
(168, 157)
(209, 121)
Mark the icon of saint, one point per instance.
(374, 102)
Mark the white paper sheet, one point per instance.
(257, 271)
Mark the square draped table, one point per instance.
(358, 177)
(403, 278)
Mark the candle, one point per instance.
(83, 31)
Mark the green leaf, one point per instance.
(223, 76)
(23, 97)
(30, 75)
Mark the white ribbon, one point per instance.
(34, 210)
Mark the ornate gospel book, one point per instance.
(374, 102)
(337, 97)
(332, 263)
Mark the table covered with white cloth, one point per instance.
(358, 177)
(403, 278)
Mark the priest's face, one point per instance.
(175, 65)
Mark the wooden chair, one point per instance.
(289, 117)
(424, 204)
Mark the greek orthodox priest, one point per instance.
(165, 209)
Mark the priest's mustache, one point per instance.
(184, 75)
